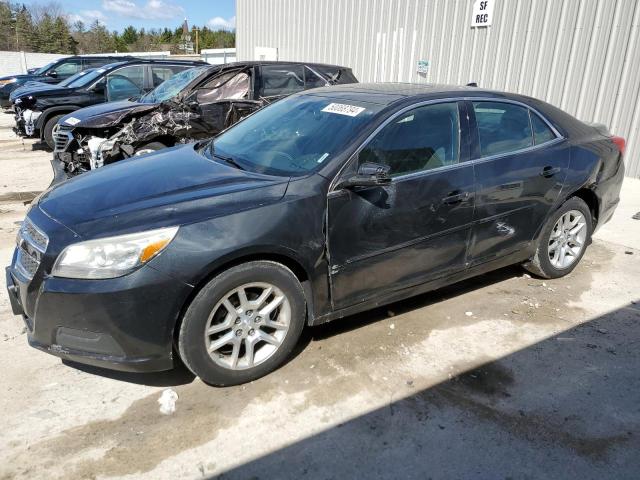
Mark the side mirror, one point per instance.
(369, 175)
(52, 74)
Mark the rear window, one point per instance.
(502, 127)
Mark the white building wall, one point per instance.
(580, 55)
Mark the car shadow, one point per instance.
(375, 315)
(564, 407)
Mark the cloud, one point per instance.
(87, 17)
(219, 23)
(151, 10)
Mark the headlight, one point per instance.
(111, 257)
(7, 82)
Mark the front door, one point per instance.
(415, 229)
(519, 174)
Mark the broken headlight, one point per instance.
(113, 256)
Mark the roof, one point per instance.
(387, 93)
(273, 62)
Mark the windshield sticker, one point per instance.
(343, 109)
(72, 121)
(322, 158)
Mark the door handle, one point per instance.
(456, 197)
(549, 171)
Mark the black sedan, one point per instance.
(324, 204)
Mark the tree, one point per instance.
(130, 35)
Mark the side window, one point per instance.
(67, 69)
(421, 139)
(281, 80)
(541, 131)
(161, 73)
(125, 83)
(232, 85)
(502, 127)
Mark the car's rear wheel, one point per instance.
(149, 148)
(47, 133)
(563, 240)
(243, 324)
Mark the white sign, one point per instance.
(72, 121)
(343, 109)
(482, 13)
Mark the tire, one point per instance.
(552, 265)
(208, 311)
(149, 148)
(47, 134)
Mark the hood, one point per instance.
(172, 187)
(23, 78)
(31, 88)
(106, 114)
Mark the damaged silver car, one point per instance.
(194, 104)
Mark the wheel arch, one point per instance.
(284, 258)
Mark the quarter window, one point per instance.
(424, 138)
(502, 127)
(541, 131)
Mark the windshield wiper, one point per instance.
(226, 159)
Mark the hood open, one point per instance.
(151, 190)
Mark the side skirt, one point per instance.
(397, 295)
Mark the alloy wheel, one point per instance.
(247, 326)
(567, 239)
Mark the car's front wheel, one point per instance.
(563, 240)
(243, 324)
(47, 134)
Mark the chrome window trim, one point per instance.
(559, 138)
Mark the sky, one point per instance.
(117, 14)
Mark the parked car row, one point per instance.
(323, 204)
(52, 73)
(38, 108)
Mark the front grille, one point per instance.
(32, 243)
(61, 137)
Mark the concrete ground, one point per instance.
(503, 376)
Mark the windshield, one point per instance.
(171, 87)
(70, 82)
(84, 80)
(294, 136)
(41, 70)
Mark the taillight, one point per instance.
(620, 143)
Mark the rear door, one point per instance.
(520, 167)
(415, 229)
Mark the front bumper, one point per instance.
(122, 324)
